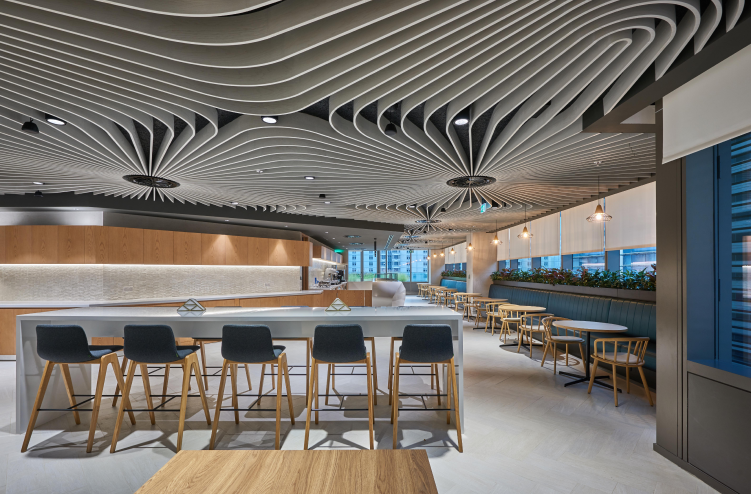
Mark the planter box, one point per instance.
(641, 295)
(455, 278)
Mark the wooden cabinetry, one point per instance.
(187, 248)
(43, 244)
(326, 254)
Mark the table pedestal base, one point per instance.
(578, 378)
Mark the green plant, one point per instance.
(628, 279)
(454, 274)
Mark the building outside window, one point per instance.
(550, 262)
(420, 265)
(401, 265)
(525, 264)
(354, 265)
(590, 260)
(638, 259)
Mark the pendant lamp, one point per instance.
(524, 235)
(599, 216)
(496, 241)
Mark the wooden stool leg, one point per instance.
(278, 402)
(204, 403)
(289, 391)
(313, 378)
(370, 399)
(646, 387)
(375, 372)
(247, 375)
(628, 380)
(202, 349)
(233, 369)
(97, 401)
(165, 383)
(183, 405)
(567, 354)
(122, 372)
(307, 369)
(69, 390)
(273, 383)
(615, 386)
(260, 385)
(395, 405)
(448, 396)
(316, 397)
(121, 383)
(328, 382)
(123, 402)
(37, 403)
(452, 371)
(432, 377)
(215, 426)
(147, 390)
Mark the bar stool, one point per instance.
(243, 345)
(202, 342)
(65, 345)
(331, 373)
(155, 344)
(427, 344)
(338, 344)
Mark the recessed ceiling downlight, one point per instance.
(38, 183)
(54, 120)
(270, 119)
(470, 181)
(156, 182)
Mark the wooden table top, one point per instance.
(281, 472)
(488, 299)
(524, 308)
(593, 326)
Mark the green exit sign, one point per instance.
(339, 251)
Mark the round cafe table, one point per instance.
(588, 327)
(524, 309)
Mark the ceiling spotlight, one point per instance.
(226, 220)
(259, 171)
(38, 183)
(462, 118)
(325, 232)
(234, 203)
(54, 120)
(412, 206)
(310, 177)
(38, 194)
(327, 202)
(269, 119)
(390, 130)
(30, 127)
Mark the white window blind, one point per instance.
(709, 109)
(579, 235)
(547, 234)
(634, 222)
(519, 249)
(503, 248)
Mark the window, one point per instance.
(525, 264)
(550, 262)
(401, 265)
(638, 259)
(354, 265)
(419, 265)
(590, 260)
(503, 265)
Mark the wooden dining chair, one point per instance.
(493, 311)
(531, 325)
(460, 301)
(510, 316)
(626, 352)
(555, 336)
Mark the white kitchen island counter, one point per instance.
(293, 322)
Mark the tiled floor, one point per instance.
(525, 433)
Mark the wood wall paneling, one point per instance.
(213, 249)
(158, 247)
(258, 251)
(18, 245)
(96, 241)
(44, 244)
(277, 252)
(2, 245)
(317, 251)
(71, 242)
(125, 245)
(187, 248)
(8, 327)
(236, 253)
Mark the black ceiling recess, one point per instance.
(470, 181)
(146, 181)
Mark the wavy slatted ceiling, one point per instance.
(175, 89)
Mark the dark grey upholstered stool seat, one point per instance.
(338, 344)
(67, 344)
(202, 342)
(427, 344)
(155, 344)
(251, 344)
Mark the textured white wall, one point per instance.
(112, 282)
